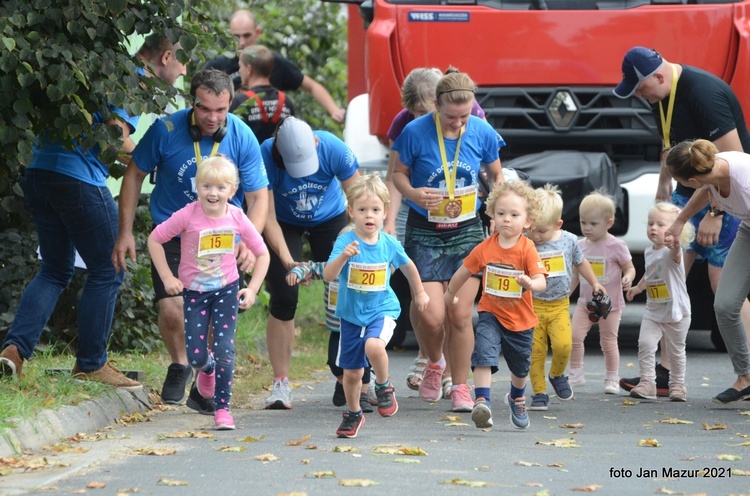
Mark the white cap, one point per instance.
(296, 144)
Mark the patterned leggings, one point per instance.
(215, 310)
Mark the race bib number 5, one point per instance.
(367, 277)
(554, 263)
(502, 282)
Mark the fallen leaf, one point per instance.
(463, 482)
(746, 412)
(457, 424)
(549, 417)
(649, 443)
(311, 446)
(664, 490)
(267, 457)
(231, 449)
(344, 449)
(729, 458)
(528, 464)
(572, 426)
(299, 442)
(305, 461)
(452, 418)
(543, 492)
(532, 484)
(556, 465)
(407, 460)
(321, 475)
(170, 482)
(714, 427)
(737, 471)
(358, 483)
(627, 402)
(416, 451)
(587, 489)
(251, 439)
(746, 443)
(560, 443)
(96, 485)
(672, 420)
(156, 452)
(483, 468)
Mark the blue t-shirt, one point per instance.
(418, 149)
(364, 307)
(312, 200)
(167, 145)
(559, 257)
(77, 163)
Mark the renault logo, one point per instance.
(562, 110)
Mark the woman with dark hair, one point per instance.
(308, 174)
(726, 177)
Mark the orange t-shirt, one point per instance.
(514, 313)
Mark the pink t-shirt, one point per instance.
(606, 258)
(207, 262)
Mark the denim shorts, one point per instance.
(492, 339)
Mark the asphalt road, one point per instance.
(589, 443)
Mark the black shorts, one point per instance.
(172, 250)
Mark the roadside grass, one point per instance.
(38, 389)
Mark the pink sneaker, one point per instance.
(223, 420)
(431, 389)
(206, 384)
(461, 399)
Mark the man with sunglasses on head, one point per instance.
(173, 146)
(285, 76)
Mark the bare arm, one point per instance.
(694, 205)
(172, 285)
(424, 197)
(455, 284)
(130, 191)
(419, 295)
(496, 172)
(257, 207)
(628, 275)
(333, 267)
(274, 237)
(321, 95)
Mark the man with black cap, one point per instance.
(689, 104)
(308, 174)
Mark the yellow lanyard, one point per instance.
(450, 175)
(666, 124)
(197, 147)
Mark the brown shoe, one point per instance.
(11, 362)
(677, 392)
(644, 390)
(107, 375)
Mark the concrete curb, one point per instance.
(50, 426)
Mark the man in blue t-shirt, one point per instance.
(172, 147)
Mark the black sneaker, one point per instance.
(195, 401)
(350, 425)
(173, 390)
(339, 398)
(662, 381)
(364, 403)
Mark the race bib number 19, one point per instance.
(367, 277)
(216, 242)
(502, 282)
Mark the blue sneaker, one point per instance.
(539, 402)
(562, 387)
(518, 416)
(481, 414)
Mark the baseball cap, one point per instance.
(296, 144)
(638, 64)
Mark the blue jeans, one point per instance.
(69, 215)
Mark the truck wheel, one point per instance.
(716, 338)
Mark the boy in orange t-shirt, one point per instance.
(512, 270)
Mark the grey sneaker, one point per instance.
(539, 402)
(281, 395)
(518, 415)
(481, 414)
(562, 387)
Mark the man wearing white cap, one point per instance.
(689, 103)
(308, 173)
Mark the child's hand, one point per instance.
(598, 287)
(627, 282)
(172, 285)
(246, 298)
(292, 279)
(421, 300)
(450, 299)
(632, 292)
(351, 249)
(524, 281)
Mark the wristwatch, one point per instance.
(715, 212)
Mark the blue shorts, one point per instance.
(353, 337)
(714, 254)
(492, 339)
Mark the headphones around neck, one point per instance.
(195, 132)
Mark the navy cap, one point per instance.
(638, 64)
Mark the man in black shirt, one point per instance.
(285, 75)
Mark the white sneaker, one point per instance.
(576, 377)
(281, 395)
(611, 387)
